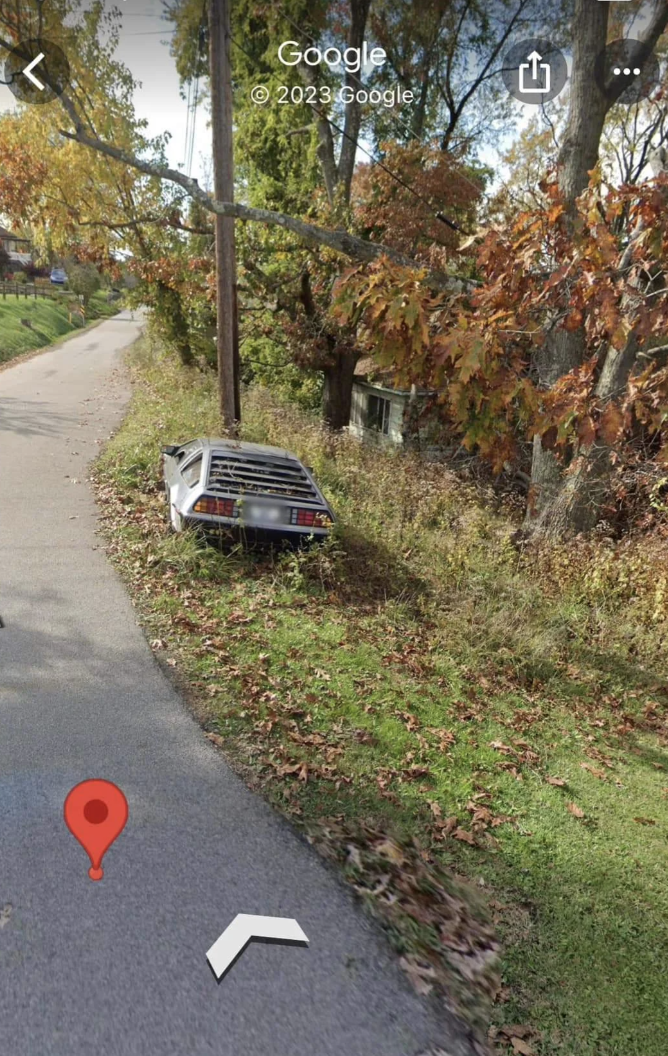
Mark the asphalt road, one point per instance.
(118, 968)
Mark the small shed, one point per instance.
(383, 413)
(17, 248)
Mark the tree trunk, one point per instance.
(559, 505)
(577, 503)
(359, 13)
(223, 166)
(338, 389)
(563, 350)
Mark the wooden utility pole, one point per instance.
(223, 169)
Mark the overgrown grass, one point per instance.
(49, 320)
(477, 736)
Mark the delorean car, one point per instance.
(222, 486)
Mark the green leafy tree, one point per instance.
(84, 280)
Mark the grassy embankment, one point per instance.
(484, 731)
(50, 320)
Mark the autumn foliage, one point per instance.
(424, 219)
(600, 272)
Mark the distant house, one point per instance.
(19, 249)
(383, 413)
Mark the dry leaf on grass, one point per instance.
(419, 974)
(388, 849)
(518, 1035)
(558, 782)
(464, 836)
(354, 858)
(522, 1047)
(593, 770)
(445, 828)
(499, 746)
(645, 821)
(575, 810)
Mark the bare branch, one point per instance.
(340, 241)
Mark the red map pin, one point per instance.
(95, 813)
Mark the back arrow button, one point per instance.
(27, 57)
(30, 75)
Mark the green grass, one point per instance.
(412, 672)
(49, 321)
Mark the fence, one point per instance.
(28, 290)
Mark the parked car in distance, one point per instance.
(232, 486)
(58, 277)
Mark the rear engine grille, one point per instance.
(236, 475)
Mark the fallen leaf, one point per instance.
(575, 810)
(645, 821)
(593, 770)
(388, 849)
(558, 782)
(517, 1030)
(354, 857)
(444, 828)
(499, 746)
(464, 836)
(419, 974)
(521, 1047)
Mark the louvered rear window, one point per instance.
(235, 474)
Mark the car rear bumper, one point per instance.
(232, 526)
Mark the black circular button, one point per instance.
(37, 71)
(624, 73)
(534, 71)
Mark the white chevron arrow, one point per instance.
(247, 928)
(30, 75)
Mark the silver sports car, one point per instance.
(230, 485)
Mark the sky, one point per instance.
(144, 48)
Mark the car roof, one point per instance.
(244, 446)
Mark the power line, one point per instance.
(358, 146)
(193, 97)
(356, 78)
(186, 149)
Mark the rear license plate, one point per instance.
(258, 513)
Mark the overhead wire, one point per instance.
(355, 76)
(438, 215)
(194, 97)
(188, 124)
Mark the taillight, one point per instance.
(309, 518)
(216, 507)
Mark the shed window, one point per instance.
(378, 414)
